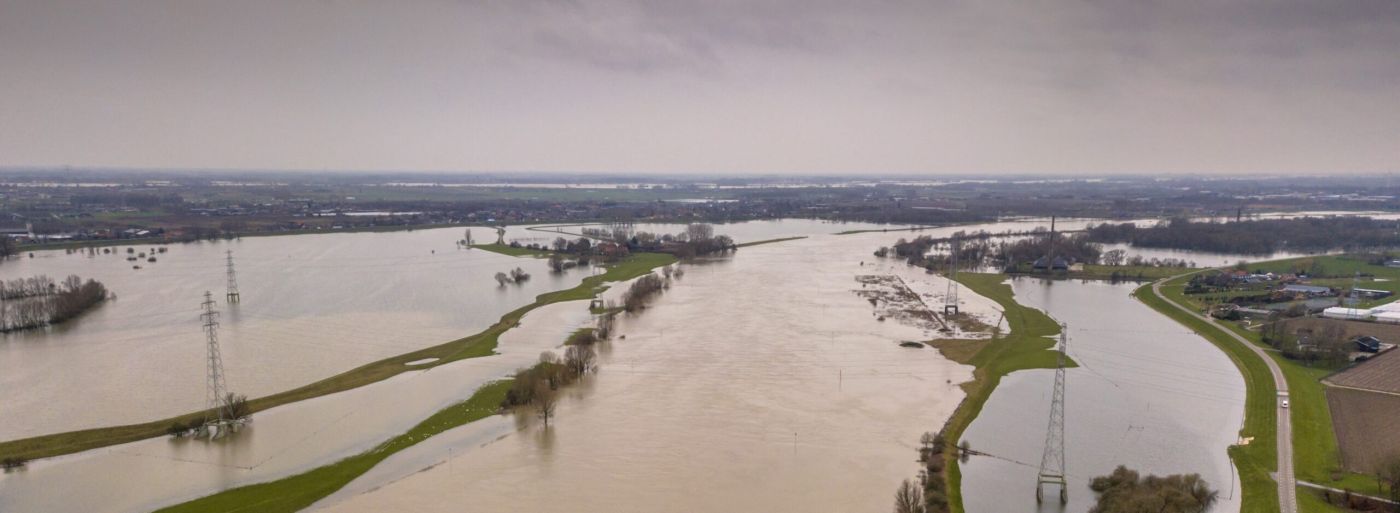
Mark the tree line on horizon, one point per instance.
(1257, 237)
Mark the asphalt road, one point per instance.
(1287, 483)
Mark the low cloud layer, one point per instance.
(788, 86)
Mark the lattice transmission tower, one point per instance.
(217, 414)
(232, 295)
(1052, 462)
(950, 300)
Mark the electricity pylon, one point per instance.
(232, 296)
(215, 392)
(1052, 462)
(950, 300)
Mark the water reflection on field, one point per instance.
(1148, 394)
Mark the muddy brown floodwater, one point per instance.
(757, 383)
(762, 381)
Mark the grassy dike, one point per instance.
(1256, 460)
(297, 492)
(1028, 346)
(508, 250)
(480, 344)
(769, 241)
(1315, 453)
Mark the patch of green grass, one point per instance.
(1028, 346)
(580, 335)
(1258, 459)
(1311, 501)
(478, 345)
(1316, 456)
(297, 492)
(508, 250)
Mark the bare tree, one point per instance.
(502, 279)
(697, 232)
(1389, 472)
(544, 402)
(909, 498)
(1114, 257)
(580, 359)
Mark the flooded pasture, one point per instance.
(312, 306)
(1148, 394)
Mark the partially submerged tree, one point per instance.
(580, 359)
(908, 499)
(1124, 491)
(544, 401)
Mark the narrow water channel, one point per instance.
(1148, 394)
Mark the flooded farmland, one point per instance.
(768, 375)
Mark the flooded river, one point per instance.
(760, 381)
(757, 383)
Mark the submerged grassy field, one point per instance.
(1028, 346)
(480, 344)
(297, 492)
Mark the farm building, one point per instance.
(1338, 312)
(1307, 290)
(1372, 293)
(1056, 264)
(1365, 401)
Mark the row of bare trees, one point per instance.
(18, 288)
(636, 296)
(61, 303)
(538, 386)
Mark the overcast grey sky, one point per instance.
(716, 86)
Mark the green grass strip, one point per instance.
(508, 250)
(1028, 346)
(769, 241)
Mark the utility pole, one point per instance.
(232, 296)
(950, 299)
(1052, 462)
(215, 391)
(1354, 298)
